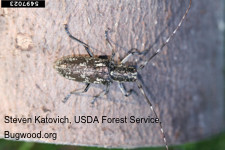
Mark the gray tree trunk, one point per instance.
(185, 81)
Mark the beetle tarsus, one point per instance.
(77, 91)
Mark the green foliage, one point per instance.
(214, 143)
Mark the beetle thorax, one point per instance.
(122, 73)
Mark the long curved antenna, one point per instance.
(168, 39)
(153, 110)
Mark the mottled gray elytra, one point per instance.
(104, 70)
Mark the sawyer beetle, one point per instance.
(104, 70)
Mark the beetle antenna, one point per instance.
(168, 39)
(153, 110)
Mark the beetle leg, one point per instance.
(104, 92)
(124, 91)
(78, 91)
(109, 44)
(130, 53)
(79, 41)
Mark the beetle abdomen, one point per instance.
(84, 69)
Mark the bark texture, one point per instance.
(185, 81)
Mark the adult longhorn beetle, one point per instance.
(104, 70)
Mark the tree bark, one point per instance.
(184, 82)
